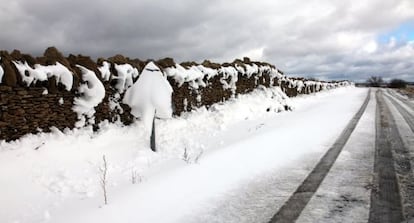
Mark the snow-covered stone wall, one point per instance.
(68, 92)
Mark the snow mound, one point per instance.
(126, 73)
(193, 75)
(42, 73)
(28, 74)
(92, 92)
(105, 72)
(150, 95)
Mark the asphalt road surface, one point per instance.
(389, 182)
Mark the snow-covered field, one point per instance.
(205, 160)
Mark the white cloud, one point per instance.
(329, 38)
(370, 47)
(254, 54)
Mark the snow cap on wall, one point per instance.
(42, 73)
(92, 92)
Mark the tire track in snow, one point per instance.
(409, 103)
(402, 161)
(385, 196)
(409, 117)
(293, 207)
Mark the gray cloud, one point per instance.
(329, 39)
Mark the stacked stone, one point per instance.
(45, 104)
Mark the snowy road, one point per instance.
(380, 163)
(253, 162)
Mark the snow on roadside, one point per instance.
(54, 176)
(59, 166)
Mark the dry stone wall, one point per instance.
(37, 94)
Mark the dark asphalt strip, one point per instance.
(385, 195)
(408, 117)
(291, 210)
(402, 162)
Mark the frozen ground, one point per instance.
(237, 162)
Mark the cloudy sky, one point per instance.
(326, 39)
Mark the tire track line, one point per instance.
(385, 196)
(405, 101)
(293, 207)
(402, 162)
(409, 118)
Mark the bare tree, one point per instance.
(104, 181)
(375, 81)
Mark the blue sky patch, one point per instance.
(402, 33)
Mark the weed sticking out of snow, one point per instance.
(192, 153)
(135, 177)
(186, 155)
(104, 179)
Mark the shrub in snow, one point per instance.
(92, 92)
(150, 96)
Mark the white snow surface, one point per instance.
(205, 159)
(150, 96)
(92, 93)
(42, 73)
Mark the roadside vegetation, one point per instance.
(402, 86)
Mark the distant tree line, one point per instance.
(377, 81)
